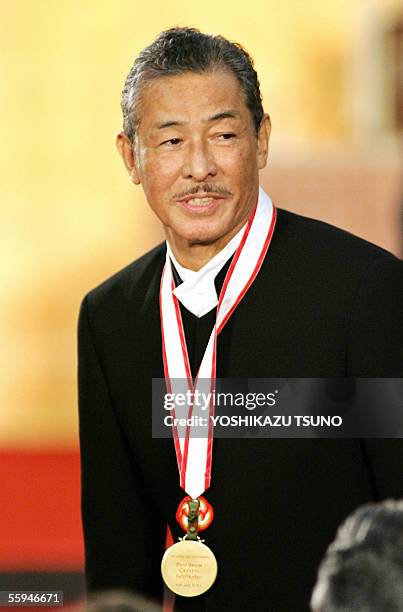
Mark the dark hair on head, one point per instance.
(363, 567)
(179, 50)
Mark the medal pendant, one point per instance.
(189, 568)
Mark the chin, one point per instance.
(202, 235)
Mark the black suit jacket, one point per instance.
(324, 304)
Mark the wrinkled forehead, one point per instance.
(190, 98)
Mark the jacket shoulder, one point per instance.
(134, 279)
(325, 242)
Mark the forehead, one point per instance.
(190, 98)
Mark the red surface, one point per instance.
(40, 525)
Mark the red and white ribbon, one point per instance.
(194, 454)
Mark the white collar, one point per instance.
(197, 292)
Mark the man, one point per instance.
(242, 293)
(363, 568)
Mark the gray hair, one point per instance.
(179, 50)
(363, 568)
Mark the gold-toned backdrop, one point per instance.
(70, 217)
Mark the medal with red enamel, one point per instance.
(206, 514)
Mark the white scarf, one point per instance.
(197, 292)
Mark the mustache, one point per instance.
(205, 188)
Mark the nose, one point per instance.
(199, 163)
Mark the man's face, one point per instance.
(197, 155)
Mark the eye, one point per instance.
(226, 136)
(171, 142)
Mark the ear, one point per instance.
(263, 137)
(126, 151)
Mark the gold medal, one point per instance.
(189, 568)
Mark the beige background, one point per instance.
(70, 217)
